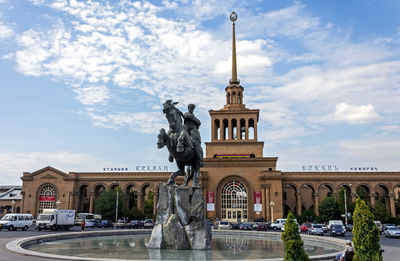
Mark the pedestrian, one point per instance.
(347, 249)
(83, 225)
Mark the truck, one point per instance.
(55, 219)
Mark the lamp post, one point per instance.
(13, 206)
(272, 204)
(58, 203)
(345, 205)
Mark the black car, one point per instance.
(134, 224)
(236, 225)
(245, 226)
(337, 230)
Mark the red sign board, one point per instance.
(210, 197)
(47, 198)
(257, 197)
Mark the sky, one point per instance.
(82, 82)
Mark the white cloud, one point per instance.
(5, 31)
(143, 122)
(93, 94)
(356, 114)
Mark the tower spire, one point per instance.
(234, 79)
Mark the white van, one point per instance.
(15, 221)
(378, 225)
(335, 222)
(278, 223)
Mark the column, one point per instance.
(255, 129)
(353, 197)
(372, 198)
(155, 201)
(299, 210)
(316, 203)
(91, 202)
(230, 132)
(392, 204)
(246, 126)
(267, 201)
(221, 130)
(141, 201)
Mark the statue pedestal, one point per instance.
(181, 221)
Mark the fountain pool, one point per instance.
(131, 245)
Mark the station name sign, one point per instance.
(140, 168)
(320, 168)
(364, 169)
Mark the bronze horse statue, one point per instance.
(181, 145)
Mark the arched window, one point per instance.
(217, 129)
(47, 198)
(234, 129)
(251, 129)
(234, 201)
(242, 129)
(225, 129)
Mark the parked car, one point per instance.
(378, 225)
(324, 227)
(148, 223)
(392, 232)
(278, 223)
(236, 225)
(305, 226)
(105, 223)
(386, 226)
(337, 230)
(316, 229)
(245, 226)
(224, 225)
(349, 227)
(262, 227)
(334, 222)
(211, 224)
(133, 224)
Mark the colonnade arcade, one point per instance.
(301, 196)
(135, 195)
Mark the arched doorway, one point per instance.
(234, 200)
(84, 199)
(47, 198)
(289, 199)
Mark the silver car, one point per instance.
(316, 229)
(392, 232)
(224, 225)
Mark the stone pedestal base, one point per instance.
(181, 221)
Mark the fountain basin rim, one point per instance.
(17, 246)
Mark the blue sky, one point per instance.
(82, 82)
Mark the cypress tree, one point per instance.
(294, 250)
(365, 234)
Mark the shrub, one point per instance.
(294, 250)
(328, 209)
(365, 234)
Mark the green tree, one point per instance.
(105, 204)
(362, 192)
(294, 250)
(148, 205)
(328, 209)
(365, 234)
(134, 213)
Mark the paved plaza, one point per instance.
(390, 245)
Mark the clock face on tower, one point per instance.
(233, 16)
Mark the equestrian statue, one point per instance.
(183, 142)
